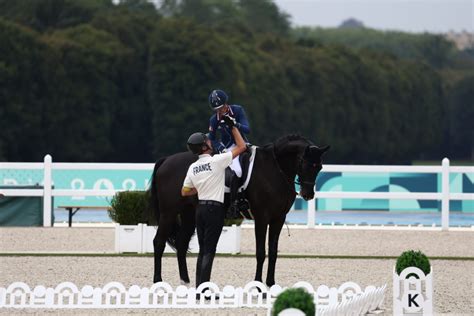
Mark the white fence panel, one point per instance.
(254, 294)
(445, 196)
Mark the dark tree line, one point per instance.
(92, 81)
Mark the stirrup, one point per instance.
(242, 206)
(233, 211)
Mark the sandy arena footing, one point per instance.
(453, 279)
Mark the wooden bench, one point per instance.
(73, 209)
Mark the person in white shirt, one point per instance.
(206, 178)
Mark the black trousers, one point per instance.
(209, 223)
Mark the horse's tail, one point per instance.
(154, 205)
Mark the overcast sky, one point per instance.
(437, 16)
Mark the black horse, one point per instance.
(270, 193)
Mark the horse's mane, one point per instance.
(282, 141)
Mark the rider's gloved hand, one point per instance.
(229, 120)
(219, 148)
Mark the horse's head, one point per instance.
(299, 157)
(310, 164)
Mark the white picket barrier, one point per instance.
(208, 295)
(368, 302)
(413, 292)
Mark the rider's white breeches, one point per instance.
(235, 163)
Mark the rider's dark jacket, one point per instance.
(217, 124)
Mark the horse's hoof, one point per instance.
(184, 282)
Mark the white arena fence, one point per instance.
(444, 196)
(348, 299)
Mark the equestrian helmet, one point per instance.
(217, 99)
(196, 141)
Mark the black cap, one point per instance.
(196, 141)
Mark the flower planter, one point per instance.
(413, 292)
(128, 238)
(139, 238)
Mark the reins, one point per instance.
(291, 186)
(284, 176)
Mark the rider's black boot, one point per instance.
(234, 187)
(238, 202)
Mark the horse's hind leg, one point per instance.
(188, 224)
(260, 237)
(273, 237)
(159, 243)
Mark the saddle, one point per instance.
(246, 160)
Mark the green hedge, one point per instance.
(412, 258)
(295, 298)
(131, 208)
(230, 222)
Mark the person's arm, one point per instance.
(185, 191)
(188, 186)
(242, 122)
(239, 141)
(213, 124)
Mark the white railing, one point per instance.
(254, 294)
(444, 196)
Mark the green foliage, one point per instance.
(23, 79)
(230, 222)
(431, 48)
(261, 16)
(413, 258)
(294, 298)
(93, 81)
(44, 15)
(461, 110)
(130, 208)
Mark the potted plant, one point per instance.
(129, 210)
(412, 258)
(294, 298)
(413, 284)
(229, 241)
(136, 226)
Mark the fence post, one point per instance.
(47, 184)
(445, 194)
(311, 213)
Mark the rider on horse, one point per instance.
(218, 103)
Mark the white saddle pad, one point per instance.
(253, 150)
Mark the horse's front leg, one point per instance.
(159, 243)
(260, 236)
(182, 243)
(273, 237)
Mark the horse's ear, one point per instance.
(324, 149)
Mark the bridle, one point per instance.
(316, 165)
(300, 166)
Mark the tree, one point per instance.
(43, 15)
(181, 74)
(84, 88)
(22, 82)
(461, 115)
